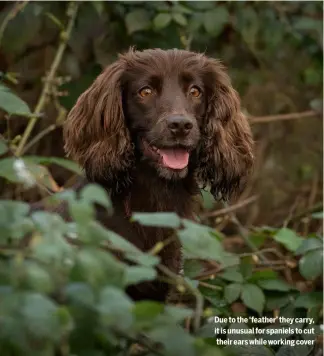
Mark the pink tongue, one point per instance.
(174, 158)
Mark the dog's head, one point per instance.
(171, 109)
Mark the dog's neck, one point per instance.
(148, 192)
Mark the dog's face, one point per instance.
(174, 110)
(164, 109)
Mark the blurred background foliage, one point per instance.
(55, 294)
(273, 51)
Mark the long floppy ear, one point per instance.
(226, 154)
(95, 132)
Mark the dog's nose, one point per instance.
(179, 125)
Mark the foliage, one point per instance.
(62, 290)
(61, 287)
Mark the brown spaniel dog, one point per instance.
(154, 127)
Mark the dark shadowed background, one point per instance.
(273, 51)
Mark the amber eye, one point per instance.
(195, 92)
(146, 91)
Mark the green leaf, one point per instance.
(216, 20)
(98, 268)
(51, 248)
(146, 312)
(12, 104)
(309, 245)
(197, 242)
(208, 199)
(39, 316)
(274, 284)
(136, 274)
(119, 242)
(196, 21)
(232, 292)
(14, 222)
(192, 268)
(37, 278)
(83, 214)
(253, 297)
(311, 264)
(263, 274)
(49, 224)
(253, 350)
(93, 193)
(178, 8)
(162, 20)
(318, 215)
(3, 147)
(132, 253)
(8, 171)
(246, 268)
(115, 308)
(144, 259)
(137, 20)
(174, 340)
(157, 219)
(62, 162)
(176, 313)
(231, 275)
(208, 331)
(277, 302)
(12, 210)
(288, 238)
(80, 293)
(309, 300)
(247, 24)
(179, 19)
(25, 171)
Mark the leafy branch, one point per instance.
(49, 80)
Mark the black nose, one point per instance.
(179, 125)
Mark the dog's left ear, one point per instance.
(226, 153)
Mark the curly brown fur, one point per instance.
(154, 127)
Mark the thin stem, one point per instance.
(244, 234)
(194, 291)
(65, 35)
(231, 208)
(292, 116)
(19, 6)
(38, 137)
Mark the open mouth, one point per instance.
(176, 158)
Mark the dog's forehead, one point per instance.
(166, 64)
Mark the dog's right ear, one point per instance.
(95, 131)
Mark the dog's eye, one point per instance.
(195, 92)
(146, 91)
